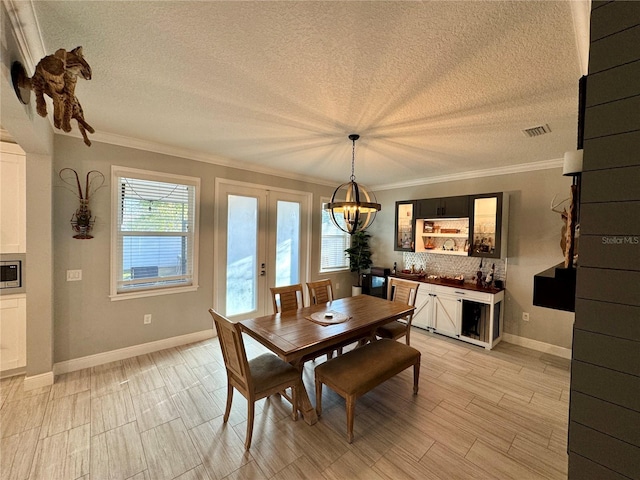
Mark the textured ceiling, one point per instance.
(433, 88)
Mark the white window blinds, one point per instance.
(156, 231)
(334, 243)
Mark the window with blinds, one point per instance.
(334, 242)
(155, 232)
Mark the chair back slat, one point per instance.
(233, 351)
(286, 299)
(320, 291)
(404, 291)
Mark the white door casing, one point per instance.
(245, 269)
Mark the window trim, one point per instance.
(118, 171)
(324, 200)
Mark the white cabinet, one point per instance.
(12, 199)
(481, 317)
(446, 314)
(423, 314)
(13, 332)
(437, 309)
(468, 315)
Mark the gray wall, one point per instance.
(87, 322)
(604, 416)
(533, 245)
(67, 320)
(34, 135)
(39, 265)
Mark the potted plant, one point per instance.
(359, 257)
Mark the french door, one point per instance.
(261, 241)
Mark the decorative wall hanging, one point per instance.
(56, 76)
(82, 221)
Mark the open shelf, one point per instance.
(440, 251)
(446, 235)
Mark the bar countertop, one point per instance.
(467, 285)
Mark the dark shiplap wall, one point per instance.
(604, 417)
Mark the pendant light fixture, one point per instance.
(352, 208)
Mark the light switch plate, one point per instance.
(74, 275)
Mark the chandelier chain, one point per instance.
(353, 160)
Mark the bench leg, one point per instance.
(318, 397)
(351, 412)
(416, 376)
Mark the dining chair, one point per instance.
(286, 299)
(320, 291)
(257, 378)
(405, 291)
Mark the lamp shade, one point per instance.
(572, 162)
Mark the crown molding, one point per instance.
(490, 172)
(26, 30)
(138, 144)
(581, 19)
(129, 142)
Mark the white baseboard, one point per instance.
(38, 381)
(538, 346)
(13, 372)
(128, 352)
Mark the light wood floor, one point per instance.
(478, 415)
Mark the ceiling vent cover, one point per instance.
(537, 131)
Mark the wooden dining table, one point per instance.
(304, 334)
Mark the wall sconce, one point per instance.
(572, 162)
(81, 221)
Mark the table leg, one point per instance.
(308, 411)
(305, 407)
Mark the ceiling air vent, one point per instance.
(537, 131)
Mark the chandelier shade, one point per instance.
(352, 207)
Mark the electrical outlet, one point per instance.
(337, 286)
(74, 275)
(525, 316)
(147, 319)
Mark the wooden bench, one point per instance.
(356, 372)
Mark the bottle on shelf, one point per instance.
(479, 275)
(488, 281)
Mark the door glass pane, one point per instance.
(287, 243)
(242, 268)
